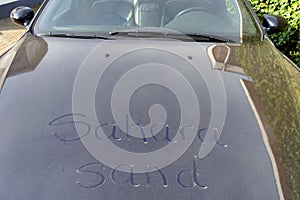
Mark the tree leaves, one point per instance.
(288, 41)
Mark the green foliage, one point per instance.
(277, 87)
(287, 41)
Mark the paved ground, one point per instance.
(9, 34)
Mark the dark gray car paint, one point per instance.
(36, 164)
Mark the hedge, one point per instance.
(287, 41)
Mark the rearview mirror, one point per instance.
(274, 23)
(22, 16)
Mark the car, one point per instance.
(147, 99)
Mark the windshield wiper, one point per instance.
(172, 35)
(209, 38)
(143, 34)
(139, 34)
(73, 35)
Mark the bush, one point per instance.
(287, 41)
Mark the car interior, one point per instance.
(143, 13)
(190, 17)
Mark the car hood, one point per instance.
(78, 115)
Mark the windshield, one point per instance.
(221, 18)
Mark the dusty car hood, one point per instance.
(47, 123)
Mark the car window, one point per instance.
(232, 9)
(223, 18)
(65, 5)
(249, 29)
